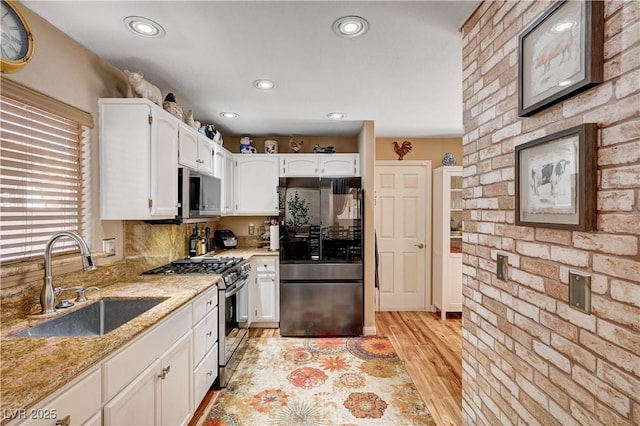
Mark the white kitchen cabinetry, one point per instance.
(160, 395)
(323, 165)
(447, 239)
(138, 403)
(138, 160)
(176, 401)
(205, 339)
(205, 155)
(80, 402)
(256, 181)
(228, 186)
(152, 377)
(265, 304)
(188, 147)
(158, 378)
(218, 160)
(195, 150)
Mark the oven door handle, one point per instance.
(237, 289)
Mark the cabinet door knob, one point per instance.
(64, 422)
(164, 373)
(209, 333)
(419, 245)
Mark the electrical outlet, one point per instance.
(580, 291)
(109, 246)
(501, 268)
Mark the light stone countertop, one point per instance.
(31, 368)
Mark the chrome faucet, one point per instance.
(49, 293)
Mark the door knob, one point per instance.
(419, 245)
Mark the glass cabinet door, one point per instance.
(455, 210)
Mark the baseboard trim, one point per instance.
(369, 331)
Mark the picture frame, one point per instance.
(556, 183)
(560, 55)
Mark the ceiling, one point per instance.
(405, 72)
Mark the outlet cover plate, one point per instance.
(580, 291)
(501, 266)
(109, 246)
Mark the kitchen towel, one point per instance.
(274, 237)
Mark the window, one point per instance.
(40, 179)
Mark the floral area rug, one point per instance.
(323, 381)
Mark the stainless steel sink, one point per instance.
(96, 319)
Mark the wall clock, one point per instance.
(17, 40)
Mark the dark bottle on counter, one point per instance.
(193, 242)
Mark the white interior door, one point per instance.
(402, 220)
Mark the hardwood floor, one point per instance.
(431, 350)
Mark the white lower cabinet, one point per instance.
(205, 344)
(77, 403)
(161, 395)
(204, 374)
(266, 293)
(158, 378)
(176, 403)
(138, 403)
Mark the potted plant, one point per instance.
(297, 213)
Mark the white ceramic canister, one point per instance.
(271, 146)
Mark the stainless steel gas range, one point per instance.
(233, 304)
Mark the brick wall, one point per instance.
(529, 358)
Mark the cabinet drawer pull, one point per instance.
(64, 422)
(209, 302)
(209, 333)
(209, 373)
(164, 373)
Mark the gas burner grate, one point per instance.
(200, 266)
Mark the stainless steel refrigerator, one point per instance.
(321, 267)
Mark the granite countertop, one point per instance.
(31, 368)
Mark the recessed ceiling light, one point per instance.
(143, 27)
(264, 84)
(335, 115)
(350, 26)
(229, 115)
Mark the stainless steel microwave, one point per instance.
(199, 195)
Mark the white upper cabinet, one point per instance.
(256, 182)
(218, 161)
(228, 186)
(188, 147)
(138, 160)
(195, 150)
(324, 165)
(205, 155)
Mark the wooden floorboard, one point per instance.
(430, 349)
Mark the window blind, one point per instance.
(40, 179)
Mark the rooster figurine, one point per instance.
(402, 150)
(295, 146)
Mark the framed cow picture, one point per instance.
(560, 55)
(556, 180)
